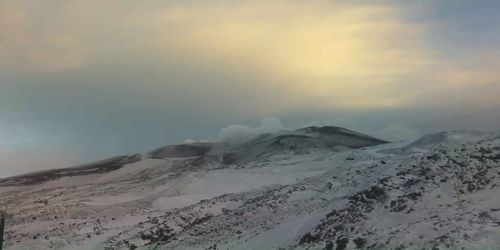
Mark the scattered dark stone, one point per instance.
(400, 247)
(328, 246)
(398, 205)
(214, 247)
(332, 213)
(414, 195)
(308, 238)
(375, 193)
(424, 171)
(401, 173)
(410, 210)
(359, 242)
(484, 215)
(384, 181)
(341, 243)
(433, 157)
(411, 182)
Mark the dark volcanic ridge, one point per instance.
(299, 141)
(103, 166)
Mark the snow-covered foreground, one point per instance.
(439, 191)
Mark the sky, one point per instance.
(83, 80)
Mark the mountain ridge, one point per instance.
(198, 149)
(434, 192)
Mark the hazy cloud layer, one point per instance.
(236, 134)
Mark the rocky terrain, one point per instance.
(314, 188)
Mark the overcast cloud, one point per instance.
(86, 80)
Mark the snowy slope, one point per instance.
(439, 191)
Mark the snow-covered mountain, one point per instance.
(314, 188)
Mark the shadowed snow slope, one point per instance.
(314, 188)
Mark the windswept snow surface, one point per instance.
(440, 191)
